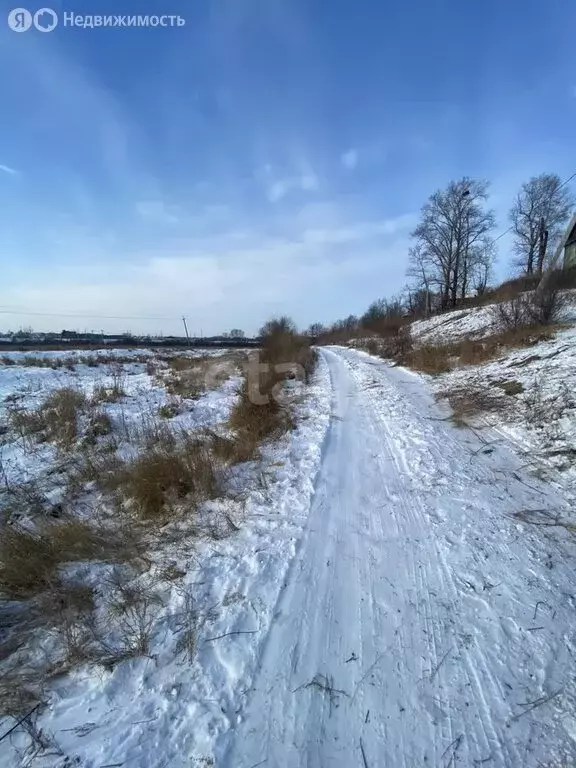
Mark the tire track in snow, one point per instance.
(430, 618)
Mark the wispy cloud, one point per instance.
(276, 187)
(350, 159)
(7, 169)
(157, 211)
(210, 277)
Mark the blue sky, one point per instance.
(270, 156)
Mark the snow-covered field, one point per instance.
(210, 583)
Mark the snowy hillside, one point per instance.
(525, 394)
(474, 323)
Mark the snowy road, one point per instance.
(419, 624)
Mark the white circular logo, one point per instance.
(19, 20)
(45, 20)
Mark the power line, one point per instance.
(567, 180)
(91, 317)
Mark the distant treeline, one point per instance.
(98, 341)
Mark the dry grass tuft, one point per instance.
(471, 399)
(184, 363)
(190, 377)
(29, 559)
(158, 480)
(115, 391)
(56, 420)
(510, 387)
(254, 422)
(170, 409)
(99, 425)
(188, 384)
(261, 412)
(435, 359)
(428, 359)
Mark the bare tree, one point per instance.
(481, 263)
(541, 208)
(278, 326)
(383, 309)
(454, 230)
(315, 329)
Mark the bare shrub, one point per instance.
(563, 279)
(471, 399)
(372, 346)
(545, 410)
(402, 342)
(260, 413)
(511, 288)
(282, 345)
(188, 625)
(136, 626)
(547, 306)
(539, 308)
(512, 314)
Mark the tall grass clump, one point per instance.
(56, 420)
(262, 412)
(165, 476)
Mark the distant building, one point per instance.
(570, 245)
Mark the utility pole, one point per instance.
(186, 329)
